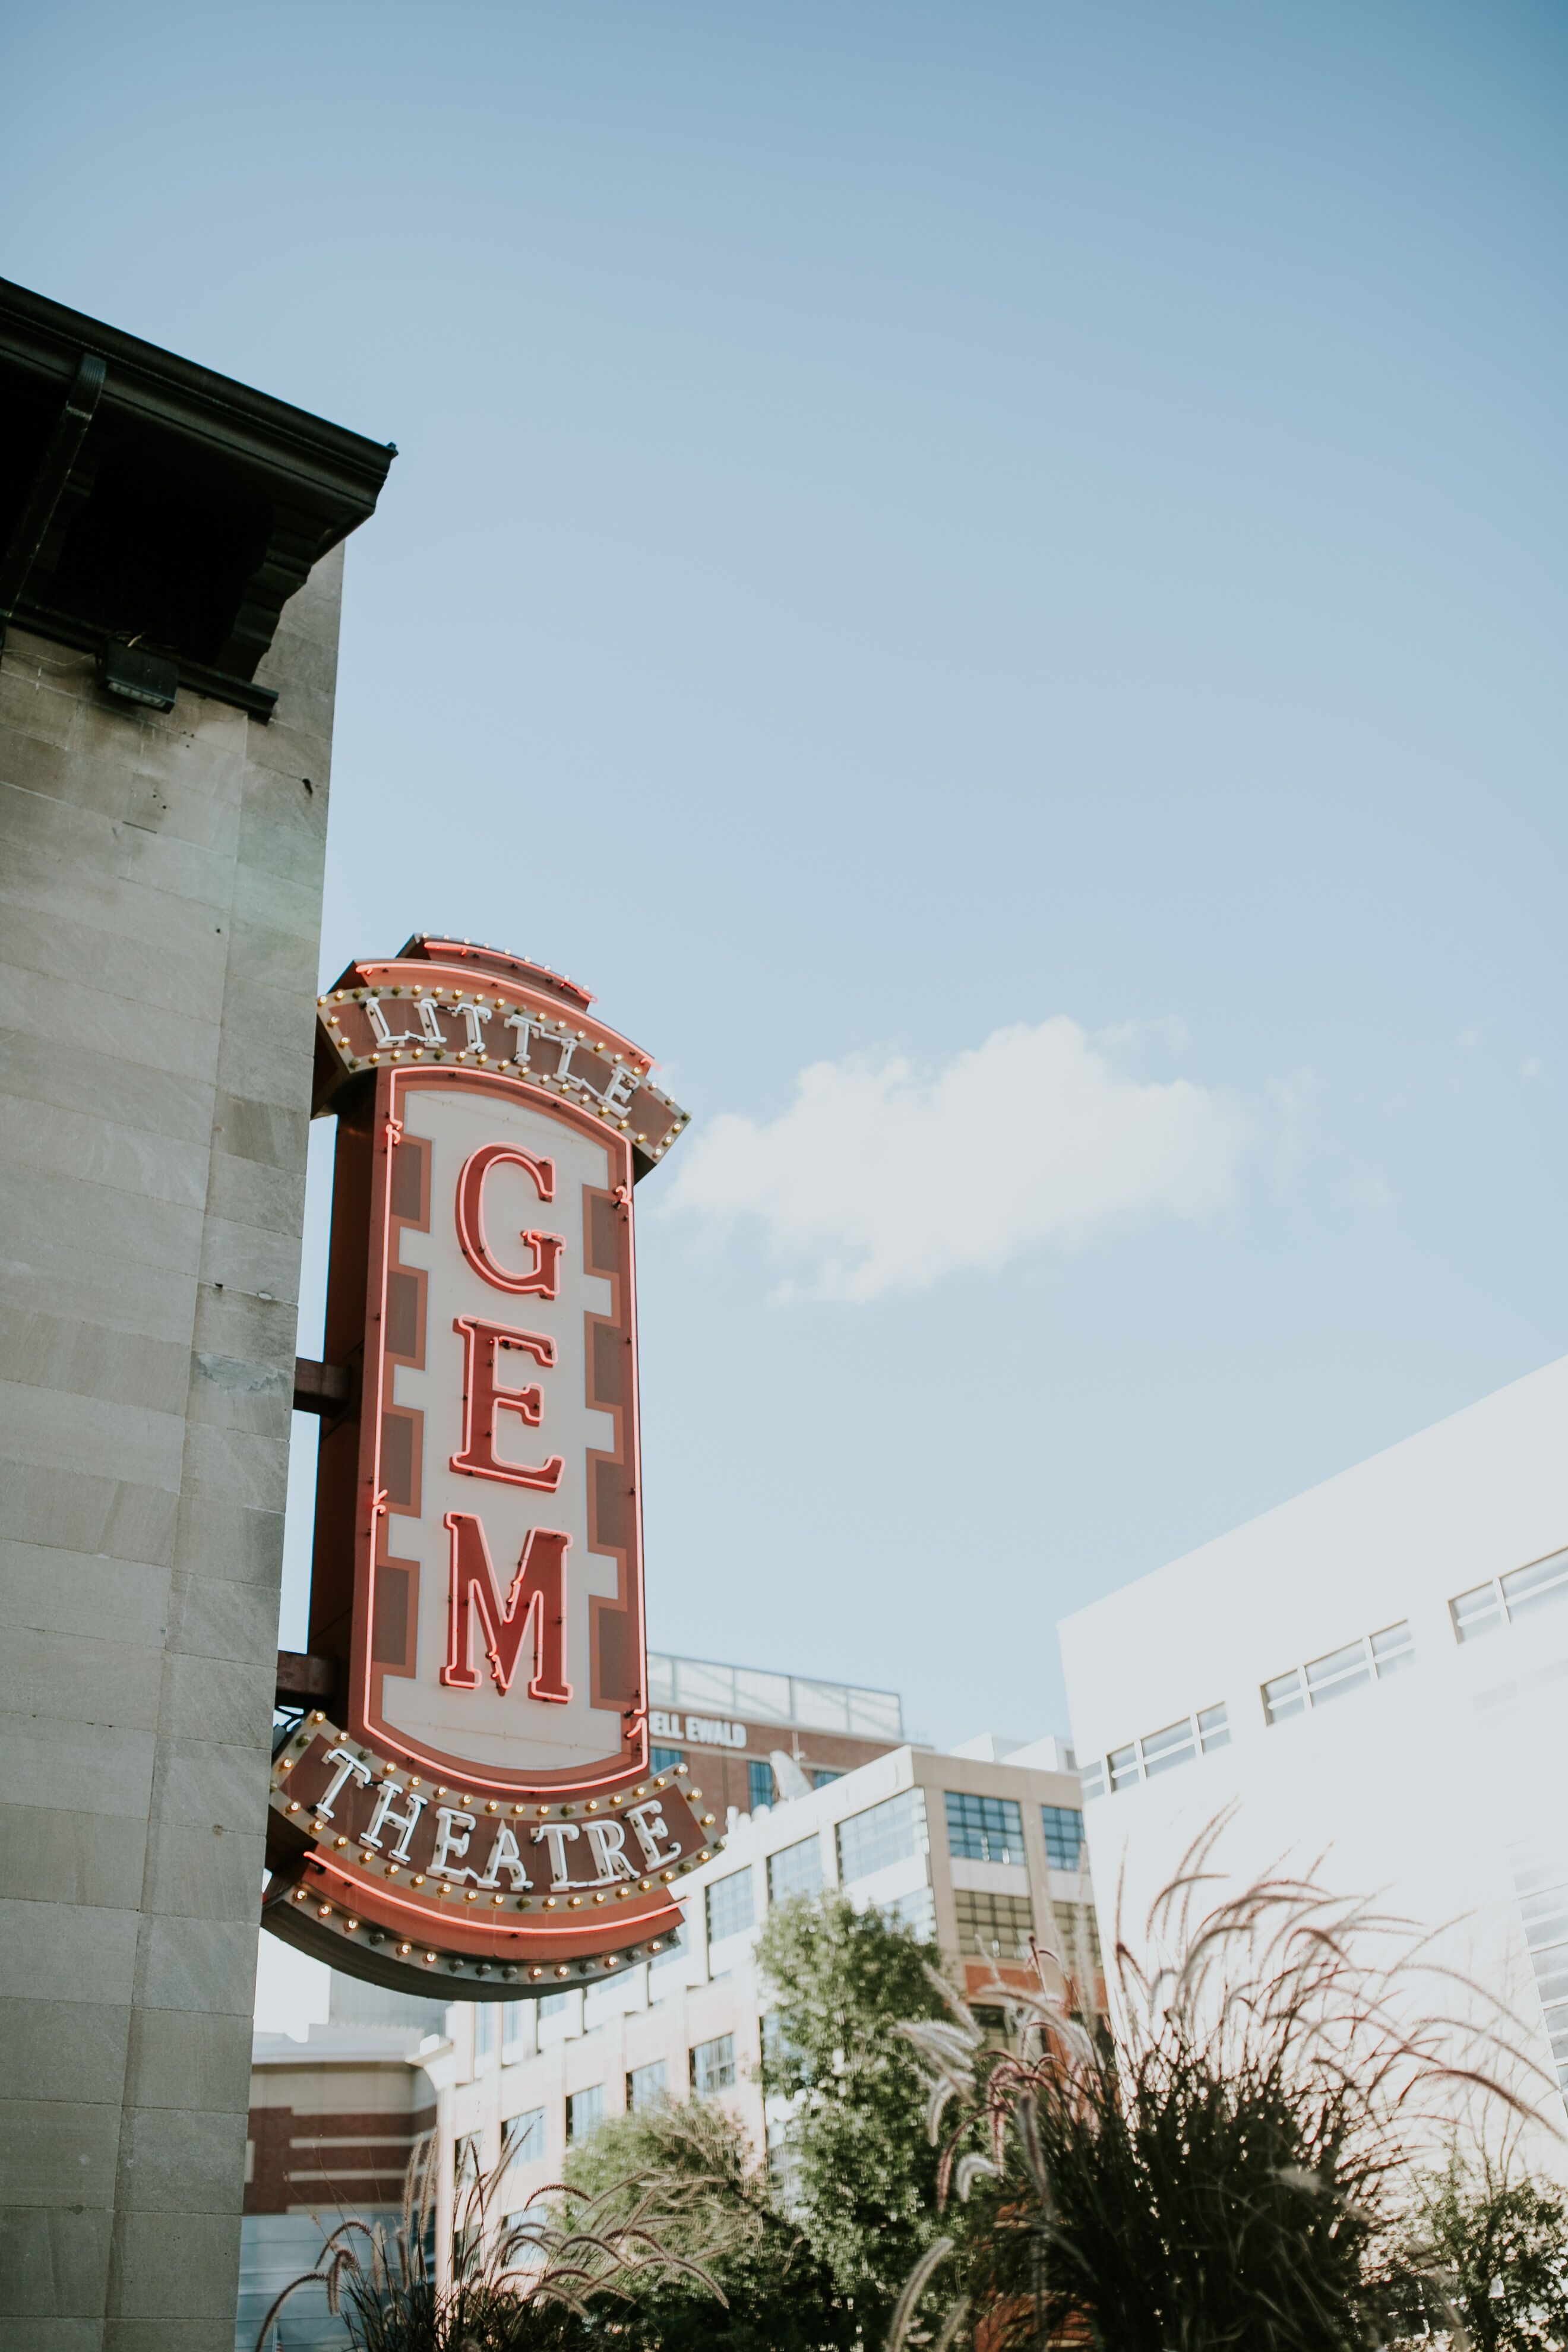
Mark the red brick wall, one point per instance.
(330, 2162)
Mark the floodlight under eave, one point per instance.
(131, 675)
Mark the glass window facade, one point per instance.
(714, 2065)
(484, 2031)
(1123, 1767)
(1063, 1826)
(584, 2112)
(1214, 1728)
(795, 1870)
(984, 1829)
(730, 1906)
(665, 1759)
(994, 1926)
(759, 1784)
(884, 1833)
(645, 2086)
(553, 2004)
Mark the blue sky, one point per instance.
(917, 522)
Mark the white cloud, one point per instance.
(881, 1178)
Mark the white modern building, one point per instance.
(981, 1849)
(1375, 1673)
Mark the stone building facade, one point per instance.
(170, 573)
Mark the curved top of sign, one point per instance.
(452, 1001)
(435, 949)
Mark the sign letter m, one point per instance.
(535, 1610)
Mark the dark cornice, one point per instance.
(192, 509)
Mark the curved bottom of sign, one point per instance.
(385, 1876)
(293, 1913)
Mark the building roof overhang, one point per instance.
(146, 500)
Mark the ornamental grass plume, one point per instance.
(1224, 2163)
(525, 2284)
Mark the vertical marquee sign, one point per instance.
(474, 1799)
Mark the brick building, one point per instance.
(728, 1723)
(333, 2121)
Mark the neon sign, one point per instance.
(476, 1804)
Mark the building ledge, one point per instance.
(153, 508)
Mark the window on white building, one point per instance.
(884, 1833)
(714, 2065)
(1123, 1766)
(795, 1870)
(1339, 1672)
(523, 2137)
(1164, 1750)
(730, 1906)
(484, 2031)
(645, 2086)
(1487, 1606)
(584, 2112)
(1284, 1697)
(1214, 1728)
(1530, 1587)
(1477, 1612)
(1393, 1649)
(916, 1911)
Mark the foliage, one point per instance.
(1222, 2170)
(692, 2175)
(524, 2285)
(1494, 2244)
(864, 2174)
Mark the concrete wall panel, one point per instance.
(160, 900)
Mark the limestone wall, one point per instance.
(160, 906)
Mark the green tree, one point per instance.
(697, 2186)
(1496, 2242)
(864, 2172)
